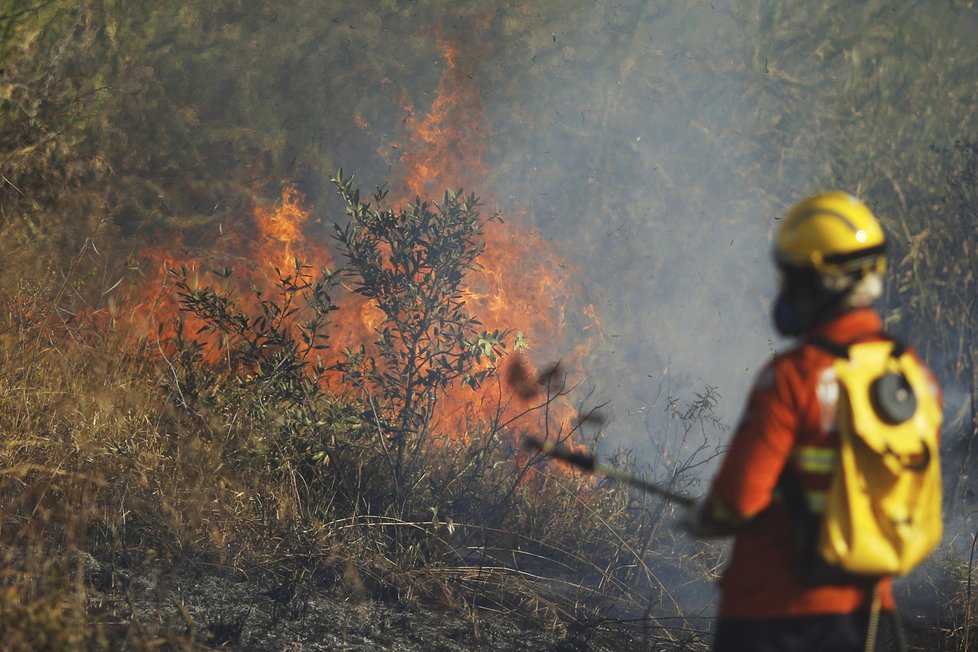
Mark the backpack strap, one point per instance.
(838, 349)
(899, 348)
(811, 567)
(841, 349)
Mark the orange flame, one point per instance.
(281, 227)
(523, 285)
(237, 262)
(446, 143)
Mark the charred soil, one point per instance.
(201, 606)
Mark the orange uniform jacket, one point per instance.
(790, 412)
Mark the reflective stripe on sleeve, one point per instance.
(816, 501)
(815, 459)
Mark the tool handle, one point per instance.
(588, 463)
(557, 451)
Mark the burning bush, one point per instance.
(412, 264)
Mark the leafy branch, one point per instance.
(411, 263)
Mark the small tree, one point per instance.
(412, 263)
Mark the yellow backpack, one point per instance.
(883, 509)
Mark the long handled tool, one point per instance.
(590, 464)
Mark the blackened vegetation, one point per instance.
(528, 385)
(521, 379)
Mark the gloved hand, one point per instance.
(695, 519)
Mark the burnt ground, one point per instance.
(206, 608)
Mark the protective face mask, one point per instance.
(791, 319)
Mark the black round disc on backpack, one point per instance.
(893, 398)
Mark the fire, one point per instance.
(445, 147)
(281, 227)
(243, 258)
(523, 285)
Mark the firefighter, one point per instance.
(830, 254)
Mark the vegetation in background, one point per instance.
(123, 122)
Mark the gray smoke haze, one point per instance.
(657, 144)
(653, 144)
(618, 132)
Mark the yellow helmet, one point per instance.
(833, 234)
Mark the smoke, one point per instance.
(639, 153)
(630, 158)
(644, 146)
(613, 131)
(632, 138)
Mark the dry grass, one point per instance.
(120, 457)
(109, 472)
